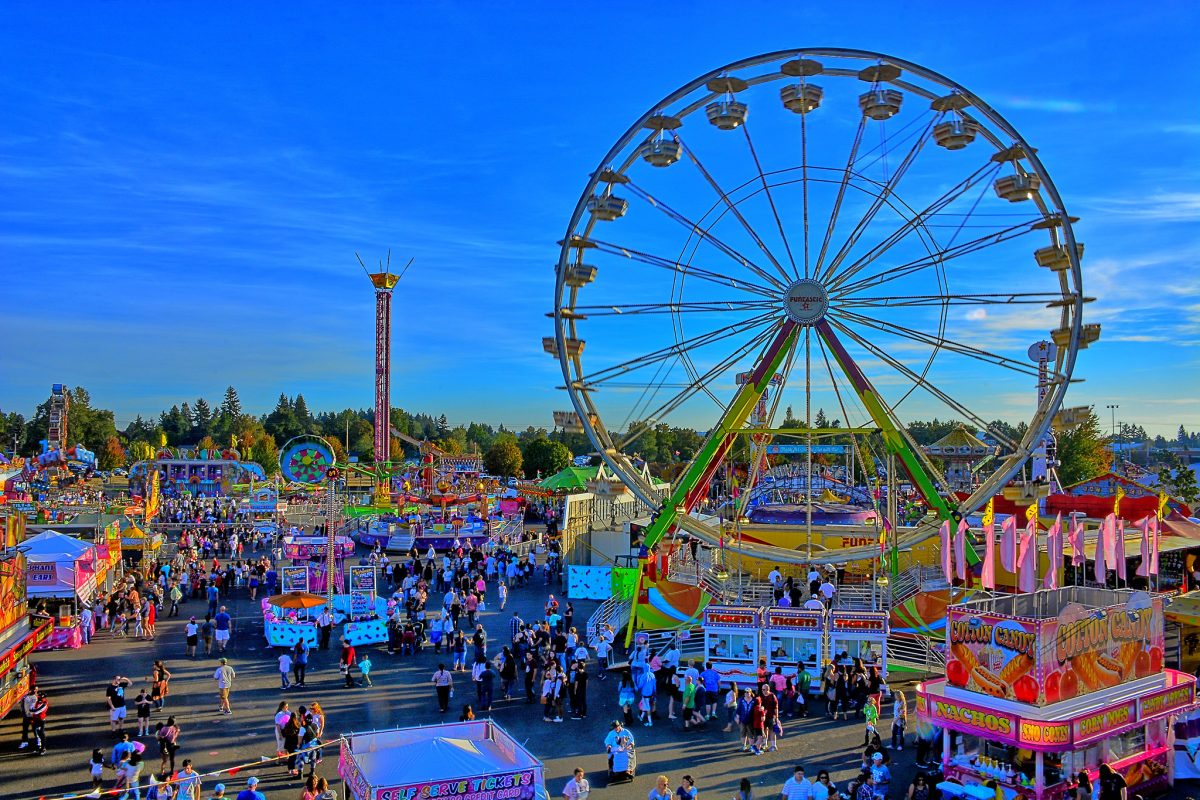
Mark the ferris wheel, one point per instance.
(817, 233)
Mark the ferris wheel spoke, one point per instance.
(995, 299)
(704, 233)
(689, 270)
(925, 262)
(928, 480)
(733, 209)
(841, 194)
(770, 199)
(698, 307)
(878, 203)
(676, 349)
(982, 176)
(938, 342)
(697, 385)
(923, 382)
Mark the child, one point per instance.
(96, 768)
(871, 715)
(899, 720)
(144, 704)
(364, 667)
(285, 666)
(503, 590)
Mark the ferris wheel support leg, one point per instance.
(893, 439)
(689, 488)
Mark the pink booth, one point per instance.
(60, 574)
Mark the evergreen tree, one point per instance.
(300, 410)
(231, 405)
(1083, 452)
(281, 423)
(202, 420)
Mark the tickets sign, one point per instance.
(795, 620)
(519, 785)
(730, 617)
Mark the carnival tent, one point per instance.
(570, 479)
(58, 565)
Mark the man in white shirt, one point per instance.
(796, 787)
(827, 590)
(814, 604)
(224, 676)
(776, 579)
(578, 787)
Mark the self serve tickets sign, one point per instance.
(519, 785)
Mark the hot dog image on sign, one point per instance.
(994, 656)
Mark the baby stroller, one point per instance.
(624, 764)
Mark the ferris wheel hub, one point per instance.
(806, 301)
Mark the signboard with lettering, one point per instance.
(972, 719)
(800, 449)
(1038, 734)
(1099, 725)
(519, 785)
(795, 619)
(859, 623)
(732, 617)
(362, 590)
(43, 573)
(993, 655)
(294, 579)
(1167, 700)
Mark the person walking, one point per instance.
(143, 706)
(207, 629)
(364, 669)
(27, 703)
(160, 680)
(285, 666)
(300, 661)
(224, 676)
(282, 715)
(251, 791)
(188, 782)
(578, 787)
(661, 790)
(168, 745)
(192, 631)
(797, 787)
(41, 708)
(346, 662)
(443, 683)
(224, 628)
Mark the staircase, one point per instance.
(914, 580)
(914, 653)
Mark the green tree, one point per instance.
(231, 404)
(1083, 452)
(503, 458)
(303, 418)
(265, 453)
(544, 457)
(202, 420)
(281, 423)
(12, 431)
(1177, 478)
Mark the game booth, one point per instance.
(310, 551)
(60, 575)
(459, 761)
(732, 642)
(292, 615)
(794, 639)
(1042, 686)
(859, 634)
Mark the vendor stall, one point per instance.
(1042, 686)
(310, 551)
(60, 577)
(732, 641)
(859, 634)
(463, 761)
(794, 639)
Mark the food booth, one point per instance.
(310, 551)
(60, 576)
(459, 761)
(859, 634)
(732, 642)
(794, 639)
(1041, 686)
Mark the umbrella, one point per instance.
(297, 600)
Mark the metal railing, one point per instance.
(614, 611)
(914, 580)
(916, 653)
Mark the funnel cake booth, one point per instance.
(1042, 686)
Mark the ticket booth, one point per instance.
(794, 639)
(859, 634)
(732, 642)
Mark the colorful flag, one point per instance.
(1054, 550)
(1119, 550)
(989, 544)
(1143, 525)
(960, 549)
(947, 566)
(1008, 543)
(1155, 532)
(1108, 537)
(884, 536)
(1101, 572)
(1028, 558)
(1162, 505)
(1078, 559)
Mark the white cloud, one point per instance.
(1157, 207)
(977, 314)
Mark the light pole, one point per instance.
(1112, 408)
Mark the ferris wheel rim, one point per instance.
(1049, 192)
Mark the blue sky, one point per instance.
(182, 193)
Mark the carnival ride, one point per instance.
(859, 262)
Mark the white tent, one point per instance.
(58, 565)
